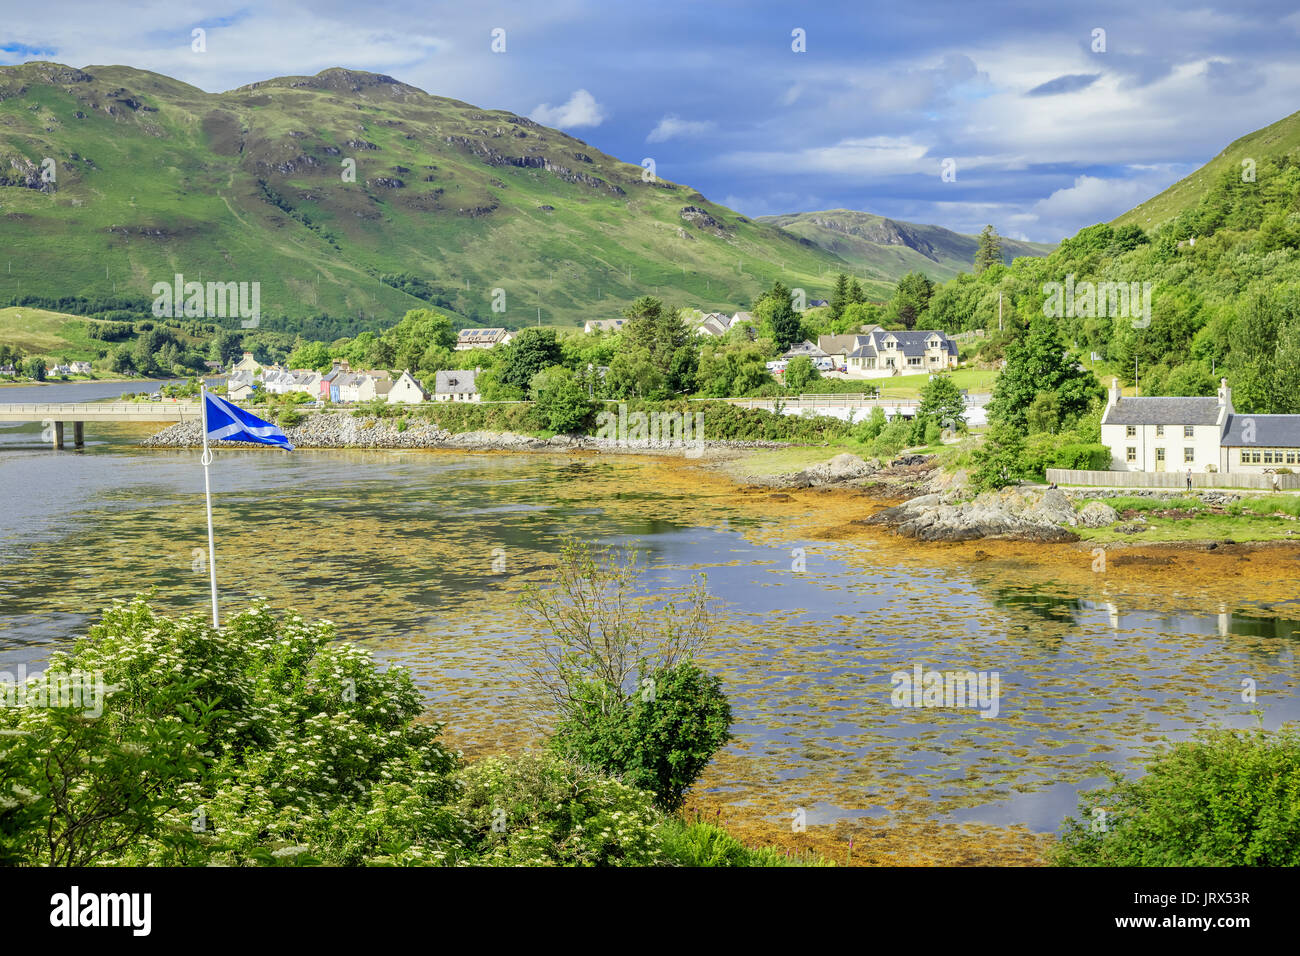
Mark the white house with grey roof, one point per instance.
(1197, 434)
(456, 385)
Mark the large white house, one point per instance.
(877, 353)
(482, 338)
(1197, 434)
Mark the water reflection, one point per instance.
(398, 548)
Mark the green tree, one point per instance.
(799, 373)
(911, 298)
(562, 400)
(941, 403)
(528, 353)
(656, 335)
(989, 251)
(315, 355)
(775, 309)
(839, 297)
(1038, 362)
(35, 369)
(728, 370)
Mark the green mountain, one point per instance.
(153, 177)
(886, 249)
(1270, 144)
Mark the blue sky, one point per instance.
(1047, 133)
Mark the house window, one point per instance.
(1160, 431)
(1189, 455)
(1187, 431)
(1268, 456)
(1160, 454)
(1249, 457)
(1290, 456)
(914, 361)
(1132, 454)
(1130, 431)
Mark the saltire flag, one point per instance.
(227, 422)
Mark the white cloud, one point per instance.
(581, 110)
(672, 126)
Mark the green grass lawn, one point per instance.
(1260, 518)
(974, 380)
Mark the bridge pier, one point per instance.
(78, 434)
(58, 435)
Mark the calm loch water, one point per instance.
(402, 551)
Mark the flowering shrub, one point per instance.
(272, 743)
(539, 810)
(216, 745)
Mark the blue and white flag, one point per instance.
(227, 422)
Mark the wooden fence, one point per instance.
(1171, 479)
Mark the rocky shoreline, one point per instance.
(340, 430)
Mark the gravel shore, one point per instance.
(342, 430)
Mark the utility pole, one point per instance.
(999, 311)
(1135, 375)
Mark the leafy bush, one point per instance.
(544, 811)
(224, 747)
(616, 664)
(1227, 798)
(659, 739)
(1085, 457)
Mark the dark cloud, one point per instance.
(1070, 83)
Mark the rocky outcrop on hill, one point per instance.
(1012, 513)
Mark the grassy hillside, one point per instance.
(155, 177)
(1272, 142)
(886, 249)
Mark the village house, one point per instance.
(246, 364)
(240, 385)
(329, 391)
(604, 325)
(1197, 434)
(820, 360)
(306, 380)
(456, 385)
(61, 370)
(374, 385)
(880, 354)
(79, 368)
(715, 324)
(8, 370)
(406, 390)
(481, 338)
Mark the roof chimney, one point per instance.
(1225, 396)
(1114, 391)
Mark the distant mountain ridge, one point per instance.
(887, 248)
(355, 195)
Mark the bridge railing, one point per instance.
(68, 411)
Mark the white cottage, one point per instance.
(1197, 434)
(406, 390)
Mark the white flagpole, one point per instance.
(207, 494)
